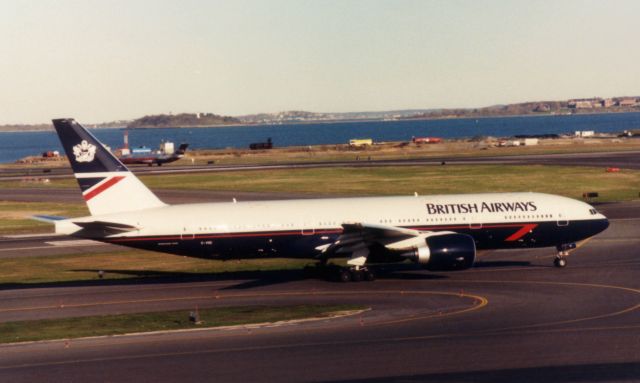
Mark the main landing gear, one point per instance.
(356, 274)
(560, 261)
(563, 253)
(341, 274)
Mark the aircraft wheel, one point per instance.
(560, 262)
(344, 276)
(369, 276)
(356, 276)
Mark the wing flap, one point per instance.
(358, 236)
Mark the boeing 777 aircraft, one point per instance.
(438, 232)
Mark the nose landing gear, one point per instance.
(560, 261)
(563, 252)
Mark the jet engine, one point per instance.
(444, 251)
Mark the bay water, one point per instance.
(16, 145)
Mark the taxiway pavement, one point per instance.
(513, 317)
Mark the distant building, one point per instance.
(608, 102)
(585, 133)
(542, 108)
(627, 102)
(580, 104)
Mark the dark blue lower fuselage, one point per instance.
(303, 244)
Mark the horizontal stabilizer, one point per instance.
(105, 228)
(48, 218)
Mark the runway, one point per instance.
(623, 159)
(513, 317)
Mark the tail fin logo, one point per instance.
(84, 151)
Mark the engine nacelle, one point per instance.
(445, 252)
(451, 252)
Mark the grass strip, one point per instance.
(569, 181)
(449, 179)
(68, 328)
(130, 264)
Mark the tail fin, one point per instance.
(182, 149)
(107, 185)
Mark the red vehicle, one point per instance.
(426, 140)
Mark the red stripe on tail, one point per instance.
(109, 183)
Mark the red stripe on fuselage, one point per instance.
(520, 233)
(524, 228)
(109, 183)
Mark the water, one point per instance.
(14, 146)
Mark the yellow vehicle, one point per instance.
(357, 142)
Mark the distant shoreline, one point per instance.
(44, 128)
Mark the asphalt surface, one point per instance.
(625, 160)
(513, 317)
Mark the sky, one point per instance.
(108, 60)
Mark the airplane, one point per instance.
(437, 232)
(150, 158)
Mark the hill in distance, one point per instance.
(182, 120)
(192, 120)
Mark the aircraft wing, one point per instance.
(358, 236)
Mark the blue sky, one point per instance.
(106, 60)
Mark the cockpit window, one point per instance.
(593, 211)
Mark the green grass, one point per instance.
(160, 321)
(127, 264)
(567, 181)
(563, 180)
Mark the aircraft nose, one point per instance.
(600, 225)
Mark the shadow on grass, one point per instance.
(244, 279)
(251, 278)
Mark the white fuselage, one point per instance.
(516, 215)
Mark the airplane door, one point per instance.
(475, 222)
(308, 227)
(562, 218)
(187, 233)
